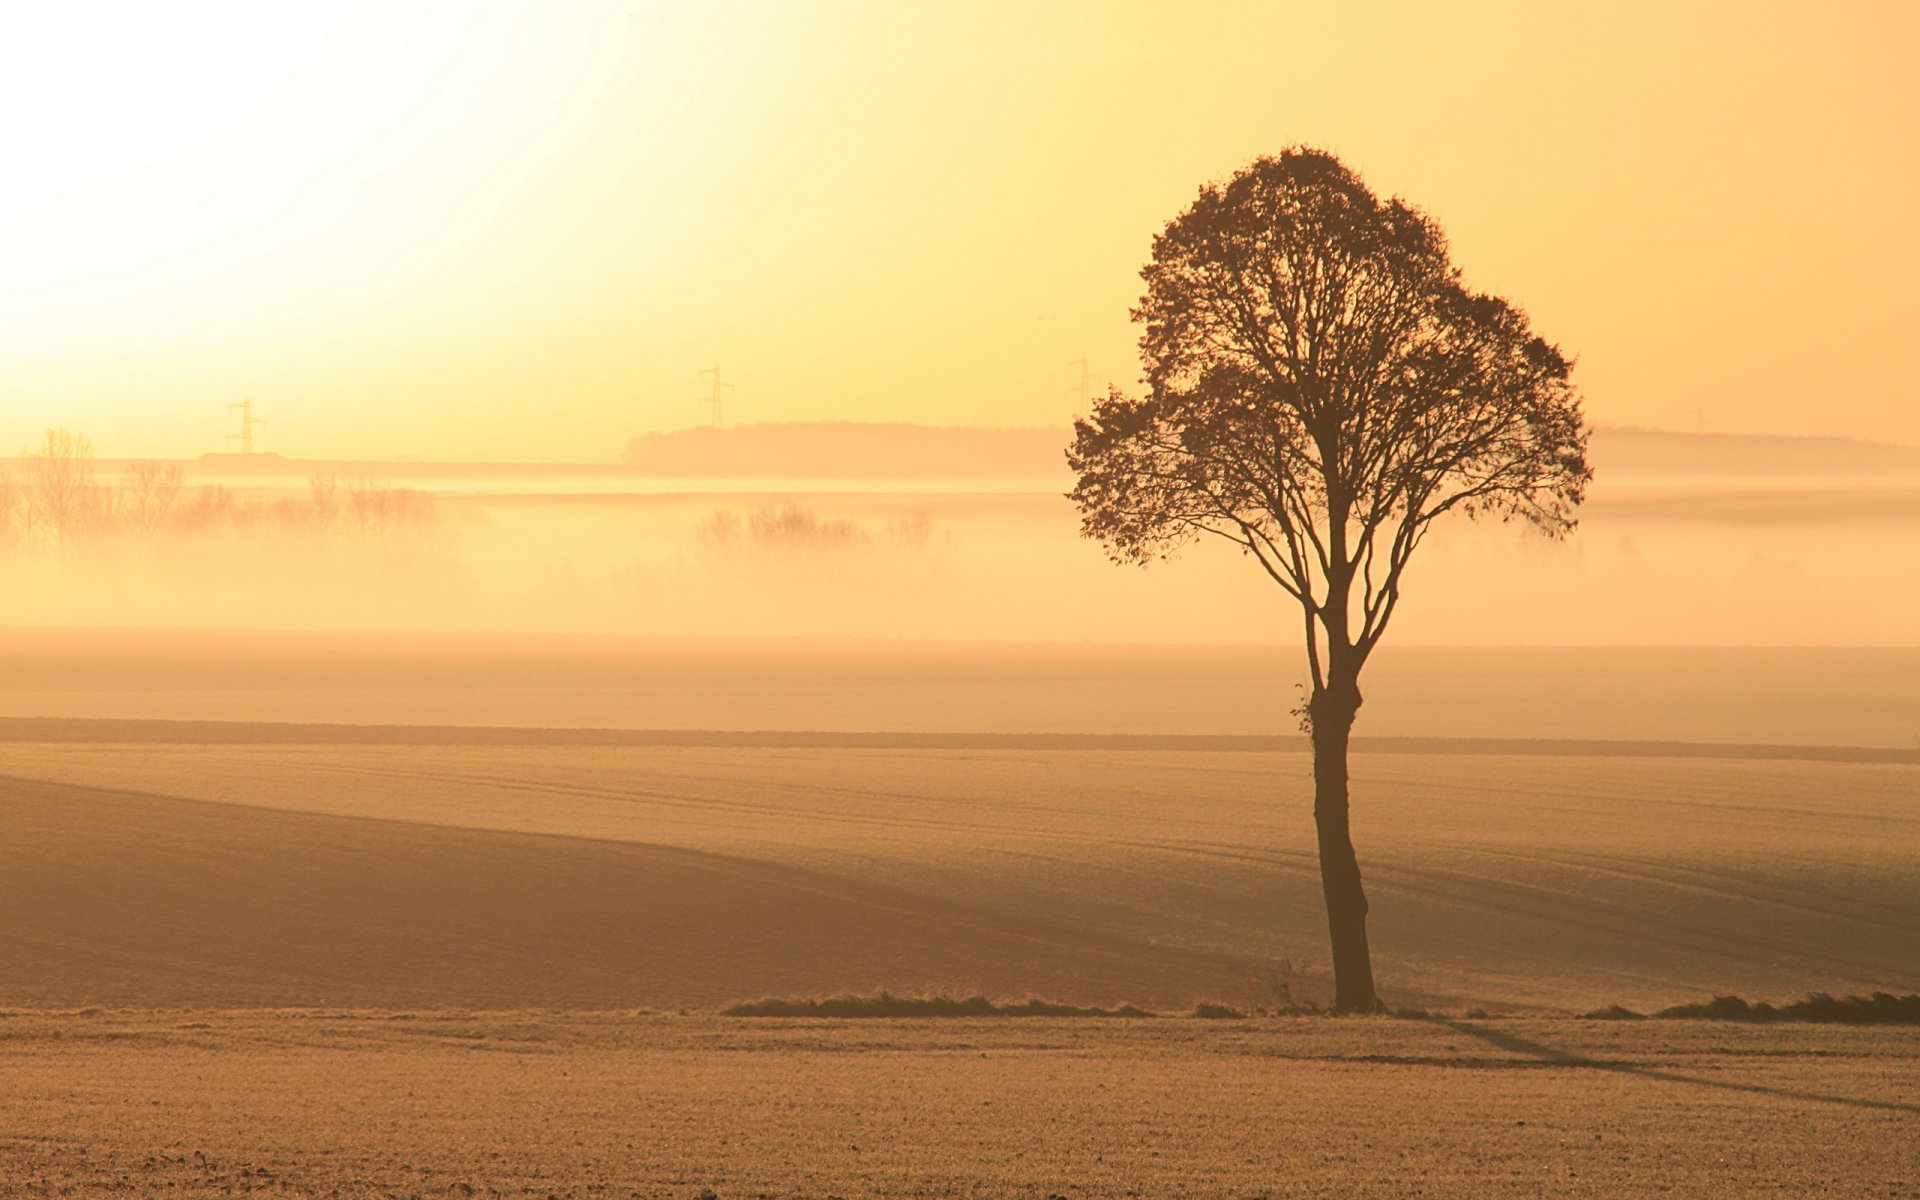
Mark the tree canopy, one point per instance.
(1321, 388)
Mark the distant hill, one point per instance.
(268, 467)
(1628, 451)
(851, 449)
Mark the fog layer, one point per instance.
(1657, 560)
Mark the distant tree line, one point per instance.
(54, 497)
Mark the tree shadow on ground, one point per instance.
(1547, 1054)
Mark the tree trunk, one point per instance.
(1332, 711)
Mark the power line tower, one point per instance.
(713, 398)
(1083, 390)
(247, 423)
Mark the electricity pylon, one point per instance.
(247, 422)
(1083, 391)
(714, 397)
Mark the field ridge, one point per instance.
(93, 730)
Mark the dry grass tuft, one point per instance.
(888, 1005)
(1881, 1008)
(1613, 1012)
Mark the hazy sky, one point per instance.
(519, 230)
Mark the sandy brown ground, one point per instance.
(438, 1104)
(129, 898)
(505, 876)
(1854, 695)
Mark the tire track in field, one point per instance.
(1529, 902)
(1445, 891)
(1292, 860)
(1712, 792)
(1755, 888)
(1455, 887)
(639, 796)
(141, 898)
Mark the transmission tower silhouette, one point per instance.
(713, 398)
(247, 423)
(1083, 390)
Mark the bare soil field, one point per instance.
(1832, 696)
(496, 874)
(320, 1103)
(393, 962)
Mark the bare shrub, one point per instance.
(1881, 1008)
(323, 497)
(211, 507)
(63, 500)
(887, 1005)
(148, 494)
(790, 529)
(795, 526)
(1612, 1012)
(374, 507)
(914, 533)
(720, 532)
(786, 532)
(1282, 986)
(13, 500)
(314, 514)
(56, 498)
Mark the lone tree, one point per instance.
(1321, 388)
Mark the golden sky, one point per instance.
(519, 230)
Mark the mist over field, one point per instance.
(1684, 541)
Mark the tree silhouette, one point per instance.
(1321, 388)
(64, 496)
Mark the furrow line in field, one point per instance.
(1725, 788)
(1532, 903)
(1768, 890)
(637, 796)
